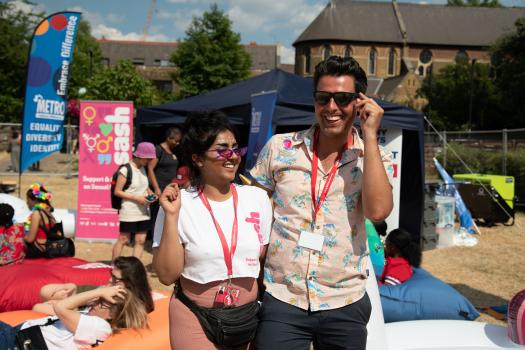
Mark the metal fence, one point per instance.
(63, 163)
(490, 142)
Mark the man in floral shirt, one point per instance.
(316, 266)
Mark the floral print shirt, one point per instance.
(12, 247)
(336, 275)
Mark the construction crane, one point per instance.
(148, 19)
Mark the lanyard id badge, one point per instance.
(226, 295)
(308, 239)
(311, 240)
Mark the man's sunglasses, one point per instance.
(342, 99)
(227, 153)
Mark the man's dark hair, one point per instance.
(337, 66)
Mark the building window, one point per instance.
(348, 51)
(420, 70)
(138, 61)
(327, 52)
(372, 57)
(307, 61)
(461, 56)
(425, 56)
(392, 62)
(163, 63)
(163, 85)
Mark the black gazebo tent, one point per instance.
(294, 109)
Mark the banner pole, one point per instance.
(19, 182)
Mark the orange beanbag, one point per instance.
(155, 338)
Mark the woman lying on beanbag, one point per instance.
(115, 308)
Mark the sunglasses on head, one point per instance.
(341, 98)
(227, 153)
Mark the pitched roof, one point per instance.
(388, 85)
(452, 25)
(352, 20)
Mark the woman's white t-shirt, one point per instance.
(131, 211)
(90, 330)
(203, 254)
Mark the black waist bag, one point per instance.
(226, 327)
(57, 245)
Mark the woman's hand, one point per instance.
(110, 293)
(141, 201)
(170, 199)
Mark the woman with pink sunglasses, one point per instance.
(211, 237)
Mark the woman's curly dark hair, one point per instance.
(199, 132)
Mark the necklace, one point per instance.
(38, 206)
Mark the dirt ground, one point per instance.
(488, 274)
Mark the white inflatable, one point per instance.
(447, 334)
(68, 217)
(430, 334)
(19, 205)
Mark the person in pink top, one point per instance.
(134, 214)
(402, 253)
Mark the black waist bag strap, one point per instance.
(31, 338)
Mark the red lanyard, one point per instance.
(316, 204)
(228, 253)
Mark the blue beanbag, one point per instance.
(424, 297)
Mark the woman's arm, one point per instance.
(260, 279)
(57, 291)
(152, 178)
(33, 229)
(119, 192)
(66, 309)
(168, 259)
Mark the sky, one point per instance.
(272, 22)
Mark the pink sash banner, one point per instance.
(105, 143)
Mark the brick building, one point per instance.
(152, 59)
(398, 44)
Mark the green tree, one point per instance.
(508, 59)
(121, 83)
(87, 59)
(210, 56)
(457, 88)
(474, 3)
(16, 28)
